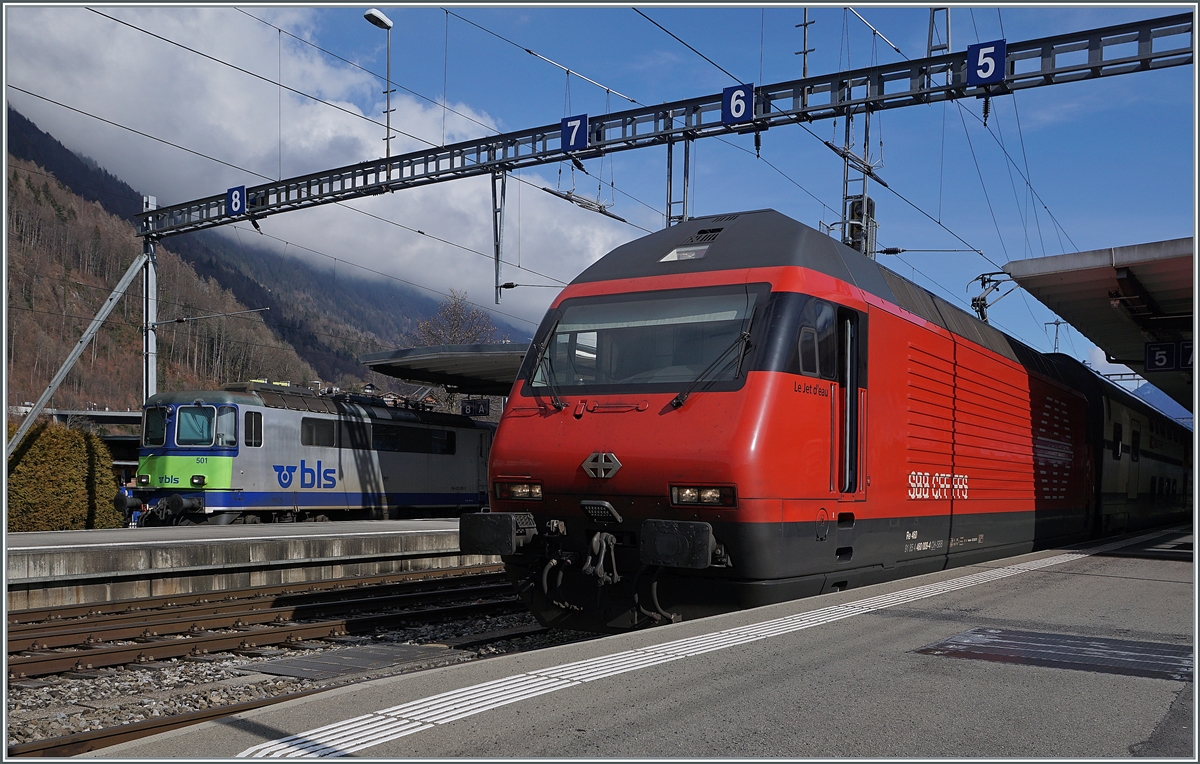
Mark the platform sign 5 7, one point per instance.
(1168, 356)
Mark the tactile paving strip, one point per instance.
(1067, 651)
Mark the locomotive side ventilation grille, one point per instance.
(1053, 450)
(722, 218)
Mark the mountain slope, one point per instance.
(65, 255)
(329, 321)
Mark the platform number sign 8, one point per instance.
(985, 62)
(575, 133)
(235, 200)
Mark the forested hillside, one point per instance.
(329, 316)
(65, 255)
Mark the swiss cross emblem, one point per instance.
(601, 464)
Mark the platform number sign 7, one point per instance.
(737, 104)
(235, 200)
(575, 133)
(985, 62)
(1185, 355)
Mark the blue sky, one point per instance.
(1112, 160)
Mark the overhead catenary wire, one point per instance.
(318, 99)
(381, 273)
(112, 321)
(1009, 164)
(544, 58)
(1008, 157)
(243, 169)
(896, 193)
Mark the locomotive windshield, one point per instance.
(661, 339)
(197, 425)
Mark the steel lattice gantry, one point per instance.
(1119, 49)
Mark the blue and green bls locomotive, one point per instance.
(255, 452)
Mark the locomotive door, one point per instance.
(851, 406)
(1135, 455)
(481, 465)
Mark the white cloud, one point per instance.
(96, 65)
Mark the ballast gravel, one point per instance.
(55, 706)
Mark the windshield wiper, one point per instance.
(544, 357)
(742, 340)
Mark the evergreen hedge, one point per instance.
(60, 479)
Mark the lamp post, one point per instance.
(377, 18)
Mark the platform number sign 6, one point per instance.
(575, 133)
(985, 62)
(235, 200)
(737, 104)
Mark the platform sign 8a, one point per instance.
(985, 62)
(235, 200)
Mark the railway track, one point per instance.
(102, 642)
(138, 632)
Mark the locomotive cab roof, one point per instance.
(756, 239)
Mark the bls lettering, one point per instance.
(309, 476)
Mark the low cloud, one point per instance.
(99, 66)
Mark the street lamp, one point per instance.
(377, 18)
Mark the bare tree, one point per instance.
(457, 323)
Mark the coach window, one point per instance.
(318, 432)
(253, 429)
(1135, 445)
(195, 426)
(226, 426)
(154, 426)
(1116, 440)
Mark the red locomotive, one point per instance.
(740, 410)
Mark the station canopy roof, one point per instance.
(471, 369)
(1122, 298)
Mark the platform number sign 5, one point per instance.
(235, 200)
(985, 62)
(575, 133)
(737, 104)
(1160, 356)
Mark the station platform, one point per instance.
(1079, 652)
(82, 567)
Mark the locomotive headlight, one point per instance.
(198, 481)
(528, 491)
(143, 480)
(713, 496)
